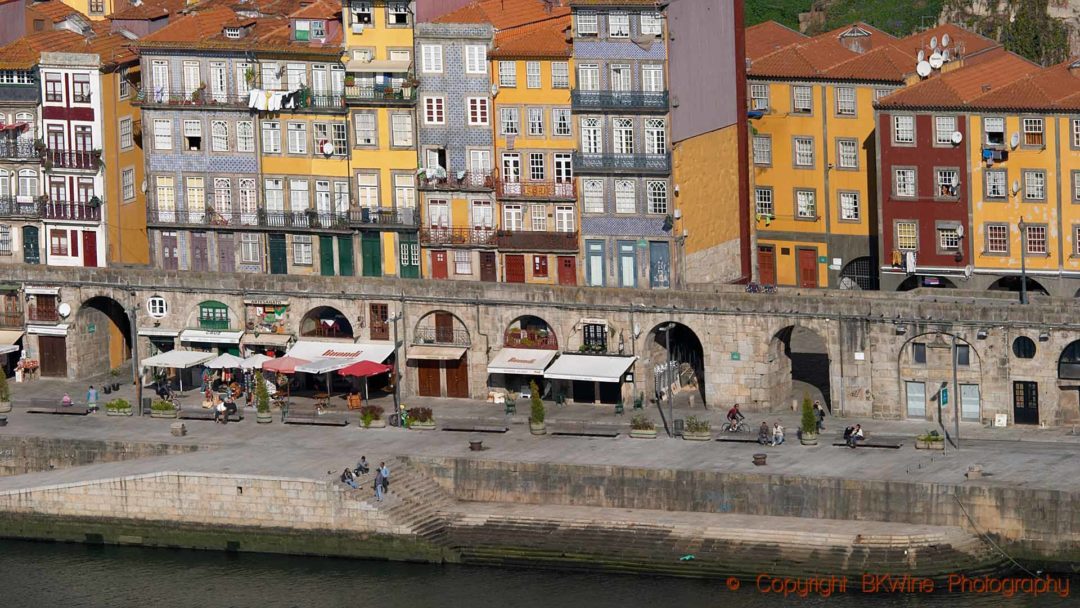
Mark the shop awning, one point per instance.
(325, 366)
(47, 330)
(589, 368)
(8, 338)
(351, 352)
(436, 353)
(266, 339)
(178, 359)
(379, 65)
(527, 361)
(254, 361)
(210, 336)
(225, 361)
(156, 332)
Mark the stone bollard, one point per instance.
(476, 445)
(974, 471)
(178, 429)
(3, 420)
(759, 459)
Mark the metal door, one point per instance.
(345, 256)
(1025, 402)
(199, 260)
(326, 255)
(808, 267)
(567, 270)
(226, 248)
(438, 265)
(916, 399)
(969, 402)
(457, 377)
(278, 261)
(31, 251)
(53, 351)
(515, 269)
(371, 254)
(766, 263)
(487, 267)
(170, 260)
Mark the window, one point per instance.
(650, 24)
(994, 130)
(918, 352)
(299, 196)
(618, 25)
(540, 266)
(302, 249)
(594, 335)
(508, 74)
(434, 111)
(560, 75)
(233, 33)
(509, 121)
(997, 238)
(271, 78)
(405, 191)
(367, 190)
(907, 236)
(536, 121)
(165, 195)
(593, 192)
(1023, 347)
(538, 215)
(196, 194)
(804, 152)
(513, 217)
(880, 94)
(397, 14)
(1034, 185)
(560, 121)
(655, 136)
(219, 136)
(963, 354)
(903, 129)
(302, 29)
(249, 248)
(127, 183)
(248, 200)
(431, 56)
(948, 239)
(80, 88)
(54, 87)
(762, 150)
(652, 78)
(1076, 133)
(274, 195)
(58, 242)
(587, 24)
(944, 127)
(564, 219)
(478, 111)
(763, 201)
(849, 206)
(297, 138)
(475, 59)
(625, 196)
(995, 184)
(588, 77)
(947, 182)
(223, 196)
(320, 134)
(318, 30)
(5, 239)
(622, 135)
(1033, 132)
(805, 204)
(532, 74)
(364, 124)
(97, 7)
(462, 262)
(28, 183)
(1036, 239)
(622, 79)
(271, 137)
(162, 134)
(341, 196)
(1076, 186)
(802, 101)
(759, 97)
(125, 83)
(845, 101)
(339, 136)
(847, 153)
(127, 140)
(657, 192)
(904, 182)
(157, 307)
(401, 130)
(537, 170)
(591, 142)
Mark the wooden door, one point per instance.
(429, 379)
(567, 270)
(1025, 402)
(89, 244)
(31, 250)
(371, 254)
(444, 328)
(515, 269)
(169, 250)
(380, 328)
(808, 267)
(487, 267)
(326, 255)
(457, 377)
(279, 263)
(199, 260)
(438, 265)
(226, 248)
(409, 256)
(766, 264)
(53, 351)
(345, 256)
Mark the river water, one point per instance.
(43, 575)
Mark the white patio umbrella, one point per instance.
(254, 361)
(225, 361)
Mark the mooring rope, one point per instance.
(989, 540)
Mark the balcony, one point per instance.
(659, 164)
(536, 241)
(458, 180)
(11, 206)
(17, 149)
(457, 236)
(377, 217)
(441, 336)
(43, 314)
(11, 317)
(619, 101)
(213, 324)
(84, 160)
(211, 218)
(198, 99)
(386, 95)
(530, 338)
(538, 191)
(64, 210)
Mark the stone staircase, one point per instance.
(415, 503)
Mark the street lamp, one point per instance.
(133, 329)
(668, 379)
(1023, 262)
(397, 367)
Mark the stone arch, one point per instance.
(1013, 284)
(100, 339)
(859, 273)
(687, 356)
(916, 281)
(325, 322)
(1069, 362)
(799, 363)
(441, 327)
(925, 362)
(530, 331)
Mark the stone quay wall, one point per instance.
(20, 455)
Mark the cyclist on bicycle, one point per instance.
(734, 416)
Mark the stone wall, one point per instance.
(20, 455)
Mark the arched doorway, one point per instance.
(680, 369)
(1013, 284)
(916, 281)
(530, 332)
(859, 274)
(100, 337)
(529, 346)
(438, 355)
(325, 322)
(800, 367)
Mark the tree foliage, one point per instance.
(1035, 35)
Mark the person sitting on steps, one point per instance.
(764, 435)
(362, 466)
(853, 435)
(349, 479)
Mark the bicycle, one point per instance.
(753, 287)
(738, 426)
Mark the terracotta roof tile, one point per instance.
(1056, 88)
(505, 14)
(26, 52)
(958, 88)
(149, 9)
(544, 39)
(770, 36)
(54, 10)
(883, 64)
(960, 40)
(810, 59)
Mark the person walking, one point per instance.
(385, 472)
(378, 484)
(819, 414)
(92, 399)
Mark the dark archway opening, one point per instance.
(859, 274)
(1013, 284)
(808, 355)
(681, 370)
(325, 322)
(916, 281)
(101, 338)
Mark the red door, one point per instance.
(808, 270)
(766, 264)
(567, 270)
(438, 265)
(515, 269)
(89, 243)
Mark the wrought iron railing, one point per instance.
(457, 236)
(402, 217)
(11, 206)
(535, 190)
(530, 338)
(358, 93)
(64, 210)
(458, 180)
(17, 148)
(619, 100)
(438, 335)
(630, 163)
(72, 159)
(325, 220)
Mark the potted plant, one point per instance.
(5, 394)
(808, 424)
(536, 411)
(115, 373)
(421, 419)
(350, 80)
(118, 407)
(250, 76)
(642, 428)
(930, 441)
(697, 430)
(372, 417)
(162, 409)
(262, 401)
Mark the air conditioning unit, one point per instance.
(358, 28)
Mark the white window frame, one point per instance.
(907, 236)
(850, 206)
(508, 74)
(759, 97)
(560, 74)
(475, 59)
(401, 130)
(509, 121)
(592, 193)
(903, 129)
(271, 137)
(479, 111)
(847, 154)
(944, 127)
(846, 104)
(625, 196)
(219, 136)
(431, 58)
(618, 25)
(532, 75)
(434, 110)
(802, 99)
(763, 202)
(163, 134)
(297, 137)
(656, 192)
(762, 150)
(905, 183)
(127, 136)
(245, 136)
(806, 204)
(803, 152)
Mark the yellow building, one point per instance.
(535, 190)
(122, 156)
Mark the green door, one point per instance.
(345, 256)
(371, 250)
(326, 256)
(409, 256)
(31, 252)
(278, 262)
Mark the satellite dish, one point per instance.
(957, 137)
(327, 148)
(935, 60)
(945, 40)
(933, 42)
(1014, 140)
(1016, 186)
(64, 309)
(945, 55)
(968, 270)
(923, 69)
(960, 231)
(921, 56)
(494, 90)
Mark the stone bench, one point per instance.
(581, 429)
(314, 420)
(475, 428)
(735, 438)
(880, 443)
(208, 414)
(61, 410)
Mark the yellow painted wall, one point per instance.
(786, 265)
(390, 253)
(83, 6)
(378, 35)
(126, 220)
(314, 164)
(706, 168)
